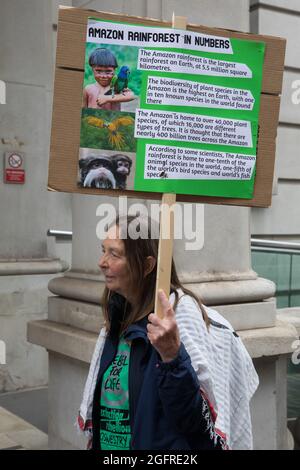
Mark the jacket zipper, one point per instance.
(130, 390)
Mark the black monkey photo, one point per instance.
(96, 171)
(121, 169)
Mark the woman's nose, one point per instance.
(102, 261)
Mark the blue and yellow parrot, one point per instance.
(119, 82)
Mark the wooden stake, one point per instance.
(166, 237)
(165, 248)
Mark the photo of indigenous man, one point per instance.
(106, 170)
(110, 87)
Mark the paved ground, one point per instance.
(31, 405)
(17, 434)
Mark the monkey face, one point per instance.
(122, 167)
(98, 163)
(97, 172)
(122, 164)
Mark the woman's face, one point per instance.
(114, 265)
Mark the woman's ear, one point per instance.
(150, 263)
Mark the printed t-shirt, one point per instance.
(115, 433)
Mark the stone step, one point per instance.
(17, 434)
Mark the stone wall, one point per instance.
(27, 211)
(282, 220)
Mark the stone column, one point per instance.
(27, 211)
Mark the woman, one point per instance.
(157, 383)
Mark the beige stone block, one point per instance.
(287, 4)
(232, 14)
(26, 365)
(103, 5)
(10, 423)
(31, 439)
(290, 315)
(21, 23)
(65, 340)
(245, 316)
(287, 152)
(15, 432)
(82, 315)
(6, 442)
(277, 23)
(270, 341)
(289, 111)
(282, 218)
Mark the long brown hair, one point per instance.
(136, 252)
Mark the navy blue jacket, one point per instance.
(167, 409)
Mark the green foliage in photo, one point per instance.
(107, 130)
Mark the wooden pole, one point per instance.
(165, 250)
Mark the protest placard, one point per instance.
(172, 110)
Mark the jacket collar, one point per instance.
(137, 330)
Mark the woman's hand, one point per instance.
(163, 332)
